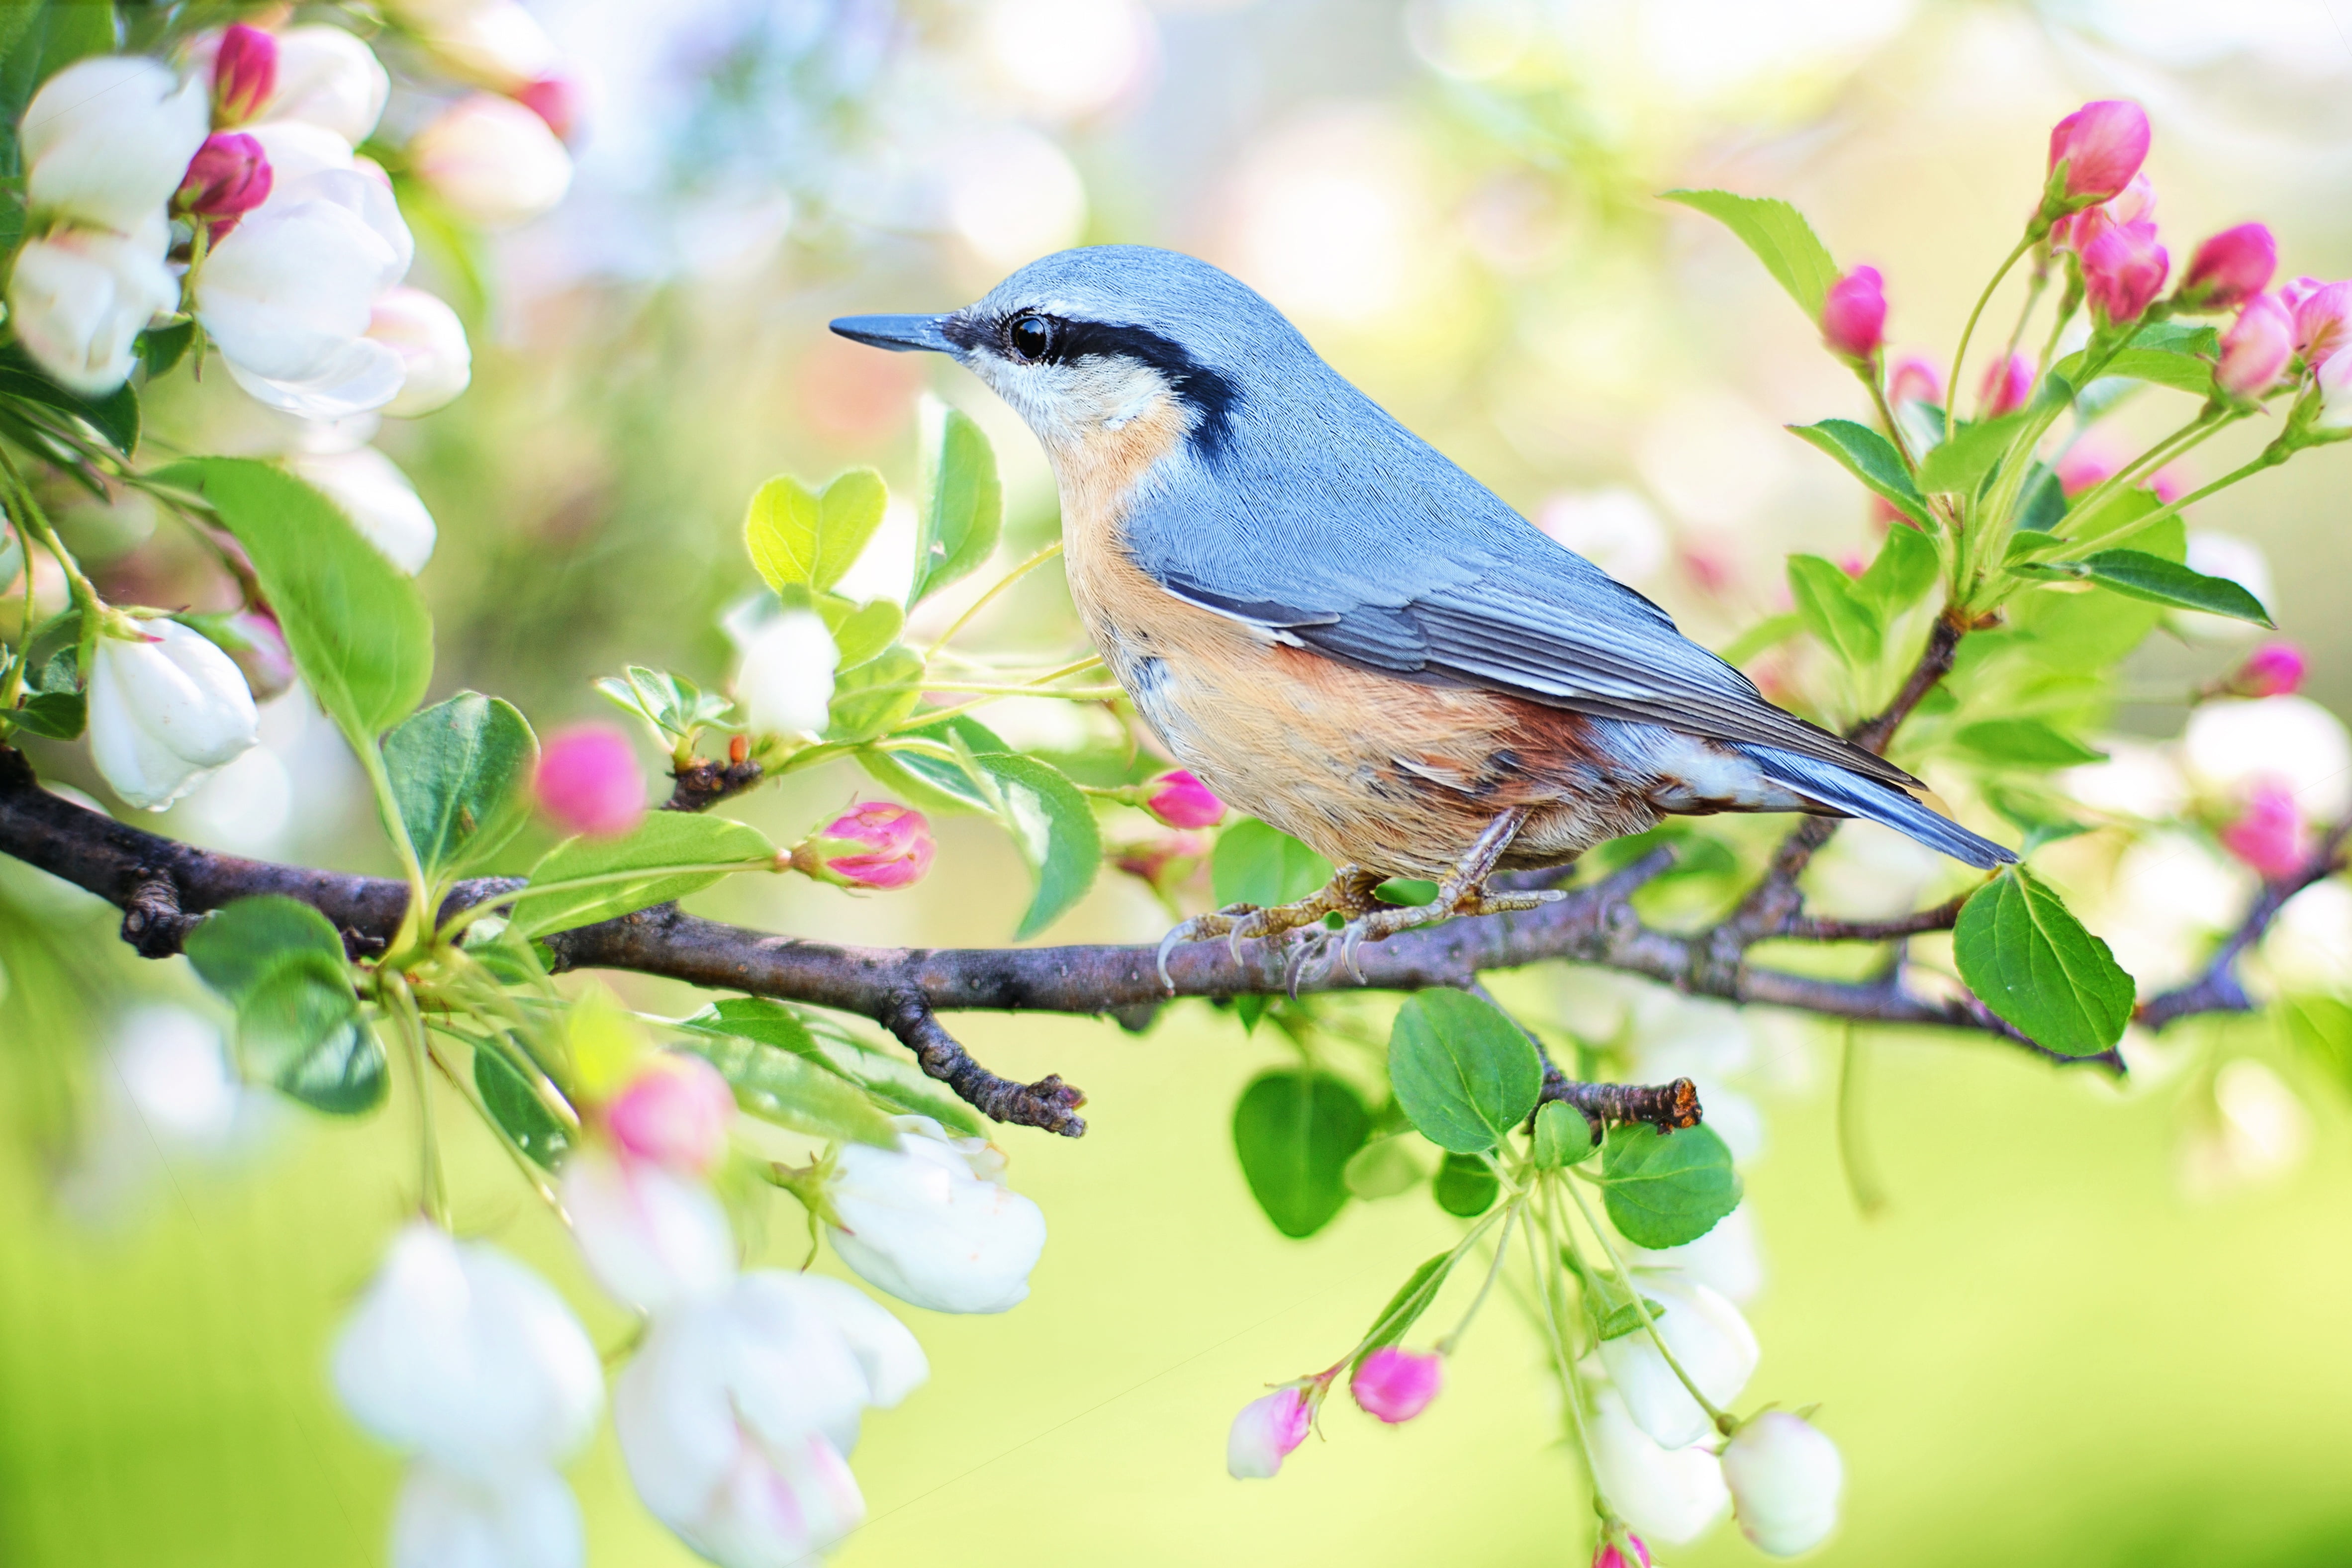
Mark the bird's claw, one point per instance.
(1227, 922)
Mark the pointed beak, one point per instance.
(898, 333)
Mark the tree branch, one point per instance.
(2217, 989)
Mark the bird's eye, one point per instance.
(1032, 338)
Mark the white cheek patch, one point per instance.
(1067, 403)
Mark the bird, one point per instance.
(1345, 635)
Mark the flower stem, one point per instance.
(2208, 421)
(1721, 1418)
(1961, 354)
(2270, 456)
(1546, 1272)
(1001, 583)
(1502, 1252)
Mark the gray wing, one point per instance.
(1371, 546)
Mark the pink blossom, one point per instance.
(2133, 203)
(676, 1113)
(2293, 294)
(1913, 379)
(2085, 464)
(2169, 483)
(2230, 268)
(2006, 383)
(253, 639)
(2103, 144)
(228, 177)
(1152, 860)
(877, 845)
(2270, 834)
(1853, 315)
(2323, 320)
(1265, 1432)
(1635, 1553)
(2122, 271)
(589, 781)
(1182, 800)
(555, 100)
(2256, 347)
(1397, 1384)
(245, 74)
(2274, 669)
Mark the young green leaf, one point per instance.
(1052, 825)
(354, 623)
(2026, 957)
(1871, 458)
(2136, 574)
(1386, 1166)
(888, 1080)
(927, 767)
(1563, 1135)
(507, 1097)
(875, 695)
(1463, 1072)
(458, 770)
(2025, 743)
(1846, 623)
(114, 416)
(1663, 1191)
(281, 964)
(1293, 1132)
(2040, 506)
(1960, 465)
(1405, 1309)
(800, 536)
(663, 843)
(860, 632)
(1464, 1186)
(1623, 1317)
(1780, 237)
(1256, 864)
(962, 508)
(1768, 633)
(1906, 569)
(784, 1086)
(56, 716)
(234, 948)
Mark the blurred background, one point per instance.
(2048, 1318)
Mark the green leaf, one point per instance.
(1052, 825)
(281, 964)
(1624, 1318)
(1563, 1135)
(1767, 633)
(1905, 570)
(457, 771)
(1386, 1167)
(354, 621)
(875, 695)
(1778, 236)
(58, 715)
(1871, 458)
(234, 948)
(799, 536)
(662, 842)
(2041, 505)
(671, 704)
(780, 1085)
(1463, 1074)
(114, 415)
(886, 1078)
(1465, 1187)
(1256, 864)
(162, 348)
(2321, 1027)
(508, 1097)
(1663, 1191)
(1293, 1132)
(1407, 892)
(2164, 353)
(1413, 1298)
(1960, 465)
(2136, 574)
(860, 630)
(928, 771)
(962, 508)
(2025, 743)
(1834, 613)
(2029, 960)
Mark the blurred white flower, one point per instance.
(330, 78)
(78, 298)
(1670, 1495)
(1707, 1336)
(244, 807)
(1065, 57)
(785, 683)
(445, 1518)
(425, 333)
(2259, 1132)
(107, 140)
(461, 1353)
(499, 44)
(377, 498)
(651, 1238)
(2243, 563)
(1012, 195)
(166, 1090)
(493, 161)
(1728, 1259)
(932, 1222)
(2138, 779)
(287, 298)
(2309, 944)
(2230, 746)
(1614, 528)
(166, 707)
(2172, 893)
(1785, 1477)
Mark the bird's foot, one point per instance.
(1462, 892)
(1349, 894)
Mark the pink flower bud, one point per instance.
(2006, 383)
(555, 100)
(228, 177)
(1154, 859)
(1914, 381)
(2292, 295)
(2122, 271)
(1853, 315)
(877, 845)
(2085, 464)
(2270, 834)
(2136, 201)
(1635, 1554)
(1182, 800)
(1265, 1434)
(2103, 144)
(2274, 669)
(589, 782)
(674, 1113)
(1397, 1384)
(2323, 320)
(245, 73)
(254, 640)
(2169, 483)
(2256, 347)
(2230, 268)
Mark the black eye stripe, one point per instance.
(1211, 394)
(1035, 338)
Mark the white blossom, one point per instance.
(166, 707)
(2230, 746)
(1728, 1259)
(652, 1239)
(493, 162)
(932, 1222)
(376, 495)
(1669, 1495)
(1709, 1339)
(1785, 1478)
(78, 298)
(107, 140)
(330, 78)
(452, 1519)
(499, 44)
(431, 344)
(786, 683)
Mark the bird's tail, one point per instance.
(1858, 797)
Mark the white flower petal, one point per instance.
(1668, 1495)
(1708, 1337)
(1785, 1478)
(493, 162)
(654, 1239)
(921, 1223)
(431, 343)
(786, 683)
(80, 298)
(329, 78)
(106, 141)
(448, 1520)
(163, 713)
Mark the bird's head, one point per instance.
(1094, 346)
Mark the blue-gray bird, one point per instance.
(1341, 632)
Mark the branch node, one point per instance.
(1049, 1102)
(152, 922)
(700, 785)
(1668, 1107)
